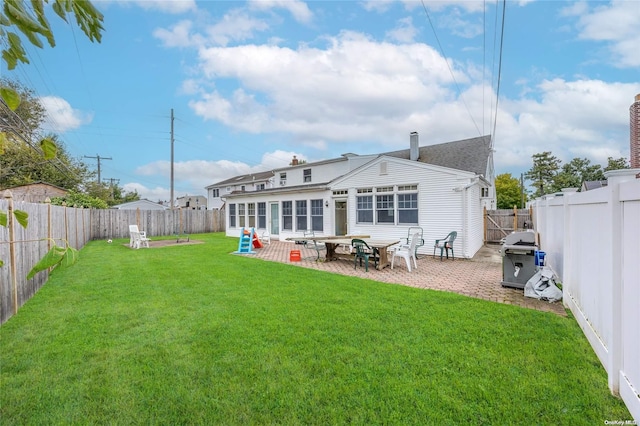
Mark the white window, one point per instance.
(306, 173)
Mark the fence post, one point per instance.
(180, 220)
(12, 250)
(75, 213)
(515, 218)
(484, 220)
(49, 227)
(66, 222)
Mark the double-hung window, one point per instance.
(364, 206)
(232, 215)
(241, 215)
(408, 208)
(306, 174)
(317, 214)
(251, 212)
(287, 215)
(262, 215)
(385, 209)
(301, 215)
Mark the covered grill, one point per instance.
(518, 259)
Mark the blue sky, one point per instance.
(254, 83)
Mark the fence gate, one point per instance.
(500, 223)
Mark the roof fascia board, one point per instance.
(307, 165)
(276, 191)
(404, 162)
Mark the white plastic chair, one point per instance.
(407, 252)
(137, 238)
(265, 237)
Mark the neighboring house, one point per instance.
(36, 192)
(589, 185)
(440, 188)
(250, 182)
(140, 204)
(193, 202)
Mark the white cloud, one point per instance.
(350, 90)
(358, 90)
(582, 118)
(152, 194)
(404, 32)
(384, 5)
(617, 24)
(167, 6)
(61, 117)
(298, 9)
(179, 35)
(236, 25)
(191, 177)
(458, 24)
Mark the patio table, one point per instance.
(379, 247)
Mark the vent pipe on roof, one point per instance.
(413, 146)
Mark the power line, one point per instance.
(495, 120)
(449, 67)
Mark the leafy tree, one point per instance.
(542, 174)
(21, 164)
(32, 23)
(508, 191)
(25, 120)
(78, 199)
(616, 164)
(573, 173)
(121, 196)
(110, 194)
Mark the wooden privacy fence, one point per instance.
(21, 248)
(500, 223)
(113, 223)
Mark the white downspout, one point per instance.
(463, 189)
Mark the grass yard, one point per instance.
(192, 334)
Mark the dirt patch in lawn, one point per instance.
(167, 243)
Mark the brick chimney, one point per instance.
(294, 162)
(414, 148)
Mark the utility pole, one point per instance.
(112, 182)
(171, 202)
(522, 190)
(99, 158)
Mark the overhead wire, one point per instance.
(495, 120)
(424, 7)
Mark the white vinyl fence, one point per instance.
(592, 242)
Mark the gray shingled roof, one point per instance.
(248, 178)
(471, 155)
(588, 185)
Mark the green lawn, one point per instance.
(196, 335)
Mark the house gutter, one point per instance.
(465, 227)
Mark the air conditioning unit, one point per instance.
(283, 182)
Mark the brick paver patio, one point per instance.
(478, 277)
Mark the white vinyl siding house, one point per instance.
(438, 203)
(378, 195)
(250, 182)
